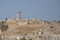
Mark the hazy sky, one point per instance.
(43, 9)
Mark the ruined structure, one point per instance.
(18, 16)
(29, 29)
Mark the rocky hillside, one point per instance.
(34, 29)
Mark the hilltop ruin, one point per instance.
(30, 29)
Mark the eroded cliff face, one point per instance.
(31, 29)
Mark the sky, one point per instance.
(41, 9)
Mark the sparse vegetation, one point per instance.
(30, 39)
(58, 21)
(3, 26)
(28, 21)
(3, 22)
(23, 38)
(6, 19)
(51, 27)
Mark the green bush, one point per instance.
(23, 38)
(30, 39)
(58, 21)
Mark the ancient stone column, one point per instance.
(18, 17)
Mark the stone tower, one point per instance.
(18, 16)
